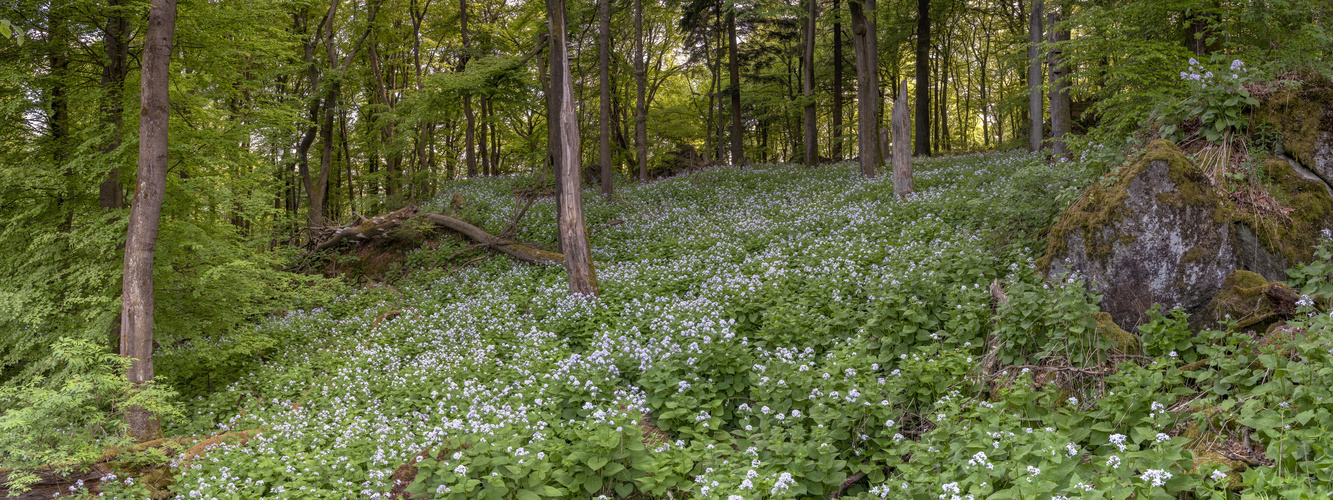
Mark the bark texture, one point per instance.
(923, 77)
(734, 67)
(136, 329)
(604, 64)
(573, 233)
(902, 134)
(640, 110)
(1059, 94)
(808, 83)
(1035, 108)
(867, 86)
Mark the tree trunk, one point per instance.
(867, 86)
(923, 108)
(471, 142)
(902, 134)
(483, 141)
(640, 81)
(837, 80)
(1034, 77)
(1059, 94)
(110, 192)
(573, 233)
(808, 83)
(734, 65)
(136, 329)
(604, 81)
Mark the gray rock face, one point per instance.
(1151, 238)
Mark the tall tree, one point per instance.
(565, 124)
(734, 67)
(1059, 92)
(837, 80)
(604, 66)
(471, 141)
(1035, 111)
(640, 81)
(808, 82)
(867, 85)
(136, 329)
(923, 77)
(116, 39)
(902, 134)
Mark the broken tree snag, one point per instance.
(518, 251)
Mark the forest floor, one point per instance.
(761, 332)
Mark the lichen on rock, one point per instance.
(1159, 232)
(1152, 233)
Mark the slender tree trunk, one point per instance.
(867, 86)
(902, 135)
(483, 146)
(640, 81)
(942, 94)
(837, 80)
(604, 82)
(110, 192)
(734, 65)
(136, 341)
(471, 142)
(808, 83)
(1059, 94)
(923, 108)
(578, 253)
(1035, 111)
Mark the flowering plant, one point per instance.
(1217, 99)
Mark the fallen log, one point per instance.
(382, 225)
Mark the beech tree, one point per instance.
(867, 85)
(565, 141)
(1035, 108)
(923, 78)
(136, 328)
(604, 81)
(808, 82)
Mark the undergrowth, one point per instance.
(768, 332)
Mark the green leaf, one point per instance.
(596, 463)
(528, 495)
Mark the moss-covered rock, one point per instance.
(1304, 116)
(1251, 301)
(1157, 232)
(1122, 342)
(1154, 232)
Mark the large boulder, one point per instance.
(1158, 232)
(1302, 116)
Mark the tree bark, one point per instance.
(902, 134)
(573, 233)
(808, 83)
(136, 329)
(1035, 112)
(604, 82)
(640, 82)
(110, 193)
(837, 80)
(734, 65)
(923, 108)
(470, 152)
(1059, 93)
(867, 86)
